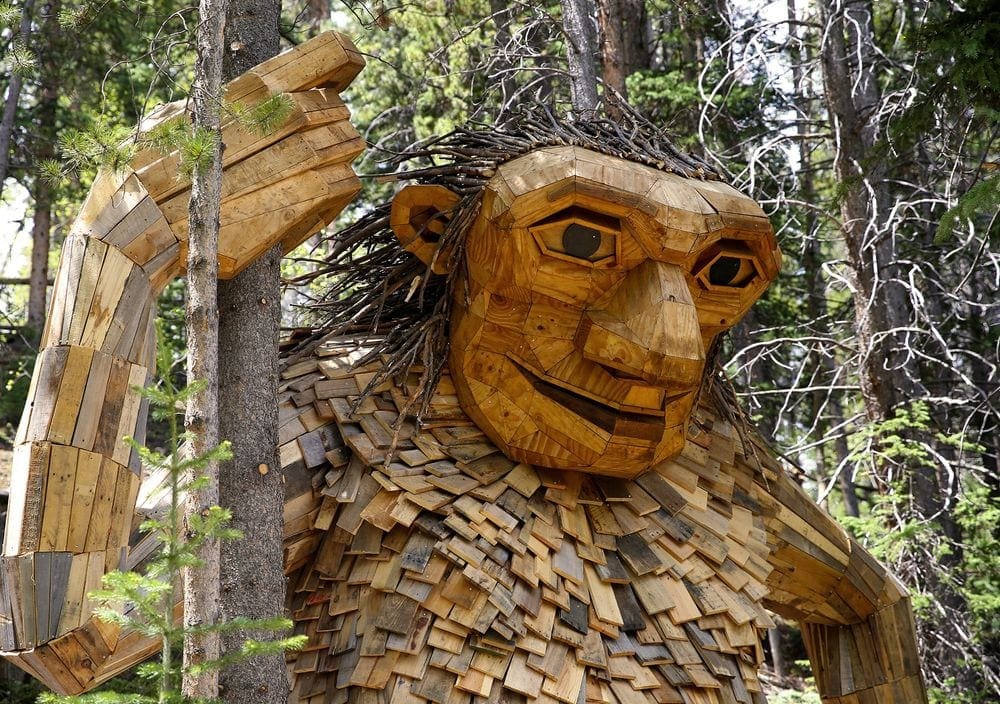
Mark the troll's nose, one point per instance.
(646, 327)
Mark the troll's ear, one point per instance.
(419, 217)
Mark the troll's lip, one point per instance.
(606, 417)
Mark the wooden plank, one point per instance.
(29, 600)
(111, 198)
(8, 640)
(29, 473)
(99, 527)
(566, 563)
(602, 598)
(77, 661)
(89, 414)
(63, 291)
(636, 554)
(153, 241)
(49, 372)
(664, 494)
(128, 421)
(14, 597)
(436, 686)
(567, 684)
(133, 308)
(60, 677)
(72, 615)
(95, 573)
(58, 505)
(59, 571)
(114, 400)
(70, 394)
(110, 286)
(89, 272)
(88, 472)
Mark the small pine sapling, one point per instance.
(148, 602)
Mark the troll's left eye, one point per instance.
(730, 271)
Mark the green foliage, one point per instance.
(12, 692)
(113, 146)
(76, 15)
(788, 696)
(196, 150)
(101, 145)
(17, 356)
(100, 698)
(980, 201)
(167, 135)
(22, 59)
(264, 117)
(120, 690)
(894, 440)
(959, 45)
(152, 594)
(9, 14)
(897, 534)
(668, 97)
(978, 513)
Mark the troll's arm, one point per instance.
(75, 481)
(855, 616)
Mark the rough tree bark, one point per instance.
(253, 581)
(888, 377)
(889, 372)
(44, 150)
(827, 409)
(580, 55)
(201, 584)
(38, 280)
(13, 97)
(609, 18)
(635, 35)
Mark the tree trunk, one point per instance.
(609, 17)
(201, 584)
(250, 485)
(41, 227)
(635, 35)
(13, 97)
(777, 657)
(890, 375)
(46, 136)
(812, 262)
(580, 55)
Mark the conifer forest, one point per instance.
(867, 130)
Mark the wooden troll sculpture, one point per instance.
(575, 515)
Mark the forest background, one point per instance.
(866, 129)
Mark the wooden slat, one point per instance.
(58, 503)
(29, 472)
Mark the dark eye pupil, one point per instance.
(580, 241)
(723, 271)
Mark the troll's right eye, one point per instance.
(579, 235)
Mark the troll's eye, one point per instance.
(587, 243)
(579, 235)
(730, 271)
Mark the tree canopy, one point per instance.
(867, 130)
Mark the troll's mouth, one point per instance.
(646, 426)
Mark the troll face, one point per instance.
(590, 291)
